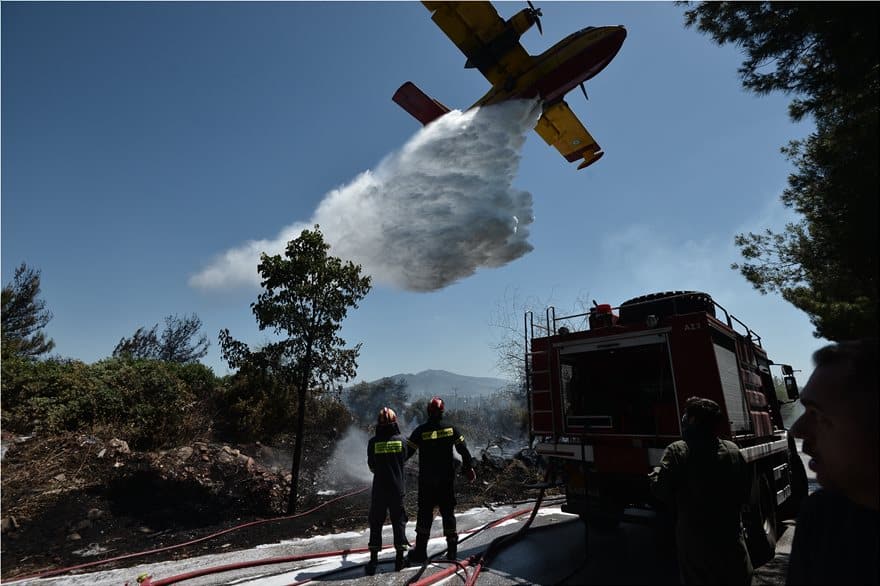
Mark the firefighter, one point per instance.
(706, 481)
(386, 453)
(435, 441)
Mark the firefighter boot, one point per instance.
(399, 561)
(371, 565)
(419, 553)
(452, 547)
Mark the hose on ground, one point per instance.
(431, 579)
(283, 559)
(250, 564)
(323, 576)
(47, 573)
(294, 558)
(505, 540)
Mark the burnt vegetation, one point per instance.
(148, 447)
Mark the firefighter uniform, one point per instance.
(434, 440)
(386, 453)
(706, 485)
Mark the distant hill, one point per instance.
(449, 385)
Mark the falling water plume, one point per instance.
(430, 214)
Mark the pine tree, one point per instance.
(826, 55)
(25, 315)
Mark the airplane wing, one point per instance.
(478, 31)
(560, 128)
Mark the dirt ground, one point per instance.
(74, 499)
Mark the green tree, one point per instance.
(366, 399)
(307, 294)
(825, 55)
(256, 404)
(176, 343)
(24, 316)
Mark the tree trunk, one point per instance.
(297, 448)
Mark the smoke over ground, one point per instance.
(428, 215)
(349, 460)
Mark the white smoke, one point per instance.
(428, 215)
(349, 460)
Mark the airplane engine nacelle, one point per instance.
(522, 21)
(514, 27)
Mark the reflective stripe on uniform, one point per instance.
(460, 439)
(437, 434)
(412, 445)
(392, 447)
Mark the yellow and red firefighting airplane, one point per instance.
(492, 46)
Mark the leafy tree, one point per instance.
(366, 399)
(307, 294)
(24, 316)
(175, 344)
(256, 404)
(826, 55)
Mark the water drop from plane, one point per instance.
(430, 214)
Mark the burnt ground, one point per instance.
(74, 499)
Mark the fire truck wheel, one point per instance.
(761, 525)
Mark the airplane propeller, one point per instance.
(536, 14)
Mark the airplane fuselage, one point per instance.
(491, 45)
(561, 68)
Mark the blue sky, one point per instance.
(142, 140)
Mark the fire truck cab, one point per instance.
(606, 394)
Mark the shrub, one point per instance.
(51, 395)
(253, 406)
(153, 400)
(148, 403)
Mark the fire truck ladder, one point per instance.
(549, 328)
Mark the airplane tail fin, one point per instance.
(421, 106)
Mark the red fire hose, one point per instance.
(54, 572)
(444, 573)
(147, 580)
(249, 564)
(480, 560)
(497, 543)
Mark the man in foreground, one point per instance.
(836, 535)
(706, 481)
(435, 441)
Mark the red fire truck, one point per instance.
(606, 393)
